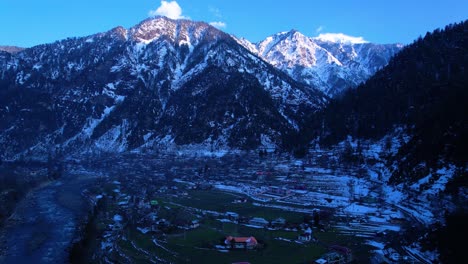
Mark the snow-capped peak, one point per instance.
(180, 31)
(340, 38)
(331, 62)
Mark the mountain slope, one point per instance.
(158, 82)
(424, 90)
(332, 64)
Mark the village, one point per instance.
(254, 207)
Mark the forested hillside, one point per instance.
(424, 90)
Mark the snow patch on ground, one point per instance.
(143, 230)
(378, 245)
(357, 209)
(228, 188)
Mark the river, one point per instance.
(44, 223)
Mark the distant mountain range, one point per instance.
(11, 49)
(330, 62)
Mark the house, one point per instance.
(278, 191)
(194, 224)
(154, 203)
(241, 242)
(257, 221)
(304, 237)
(320, 261)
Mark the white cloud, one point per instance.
(340, 38)
(218, 24)
(168, 9)
(319, 29)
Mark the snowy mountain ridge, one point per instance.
(158, 83)
(331, 62)
(11, 49)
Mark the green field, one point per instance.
(199, 245)
(223, 202)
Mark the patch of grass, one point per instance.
(197, 246)
(207, 200)
(127, 248)
(275, 251)
(200, 237)
(223, 202)
(145, 242)
(268, 213)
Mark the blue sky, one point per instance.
(30, 22)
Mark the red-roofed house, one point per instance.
(241, 242)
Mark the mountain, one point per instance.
(331, 62)
(415, 109)
(423, 90)
(11, 49)
(158, 83)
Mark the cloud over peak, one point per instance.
(218, 24)
(168, 9)
(340, 38)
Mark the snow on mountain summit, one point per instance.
(287, 49)
(330, 62)
(180, 31)
(340, 38)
